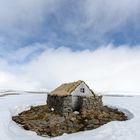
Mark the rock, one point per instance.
(52, 109)
(48, 123)
(73, 119)
(76, 112)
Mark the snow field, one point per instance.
(129, 130)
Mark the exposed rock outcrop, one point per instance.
(49, 123)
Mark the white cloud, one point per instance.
(24, 54)
(105, 69)
(86, 19)
(98, 17)
(23, 17)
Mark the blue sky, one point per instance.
(82, 24)
(31, 28)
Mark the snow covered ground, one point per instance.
(128, 130)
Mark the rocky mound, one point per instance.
(47, 123)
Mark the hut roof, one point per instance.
(66, 89)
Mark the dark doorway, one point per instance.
(75, 103)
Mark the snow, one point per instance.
(129, 130)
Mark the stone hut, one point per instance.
(75, 96)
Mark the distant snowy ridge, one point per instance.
(17, 92)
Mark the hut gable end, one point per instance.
(82, 90)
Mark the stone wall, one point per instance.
(60, 104)
(63, 104)
(90, 103)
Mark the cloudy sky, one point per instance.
(46, 42)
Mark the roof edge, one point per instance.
(70, 90)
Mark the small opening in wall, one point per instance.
(82, 90)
